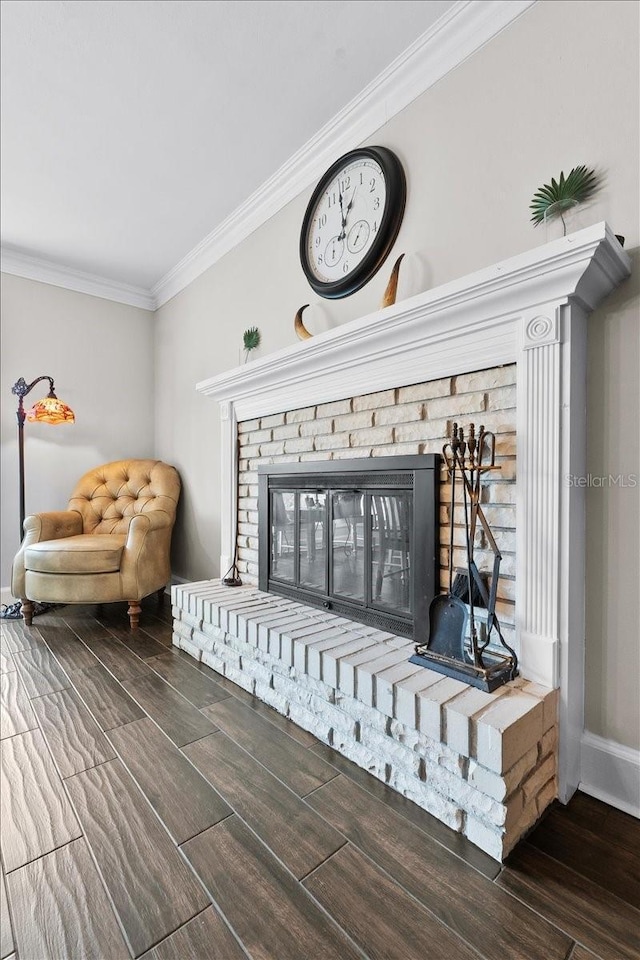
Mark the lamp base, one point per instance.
(13, 611)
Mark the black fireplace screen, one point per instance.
(359, 538)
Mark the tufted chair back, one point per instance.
(108, 497)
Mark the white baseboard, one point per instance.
(611, 772)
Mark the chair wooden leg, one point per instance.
(134, 614)
(27, 611)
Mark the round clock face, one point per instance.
(352, 221)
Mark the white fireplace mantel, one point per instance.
(531, 310)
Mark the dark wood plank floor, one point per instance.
(153, 809)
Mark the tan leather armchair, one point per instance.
(111, 544)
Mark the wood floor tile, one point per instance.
(40, 671)
(152, 889)
(70, 653)
(594, 816)
(36, 814)
(117, 658)
(262, 709)
(299, 768)
(590, 854)
(138, 641)
(378, 914)
(476, 909)
(185, 802)
(6, 933)
(7, 664)
(16, 714)
(412, 812)
(179, 719)
(295, 833)
(74, 918)
(206, 937)
(580, 953)
(17, 636)
(110, 705)
(198, 689)
(273, 916)
(74, 738)
(158, 629)
(593, 917)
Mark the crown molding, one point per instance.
(22, 264)
(466, 27)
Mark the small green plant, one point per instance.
(554, 199)
(251, 340)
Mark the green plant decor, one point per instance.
(251, 340)
(554, 199)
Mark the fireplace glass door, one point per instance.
(360, 540)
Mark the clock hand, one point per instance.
(346, 213)
(343, 215)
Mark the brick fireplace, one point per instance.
(504, 347)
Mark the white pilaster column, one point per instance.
(228, 483)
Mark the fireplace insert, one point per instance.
(357, 537)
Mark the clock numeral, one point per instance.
(376, 203)
(317, 241)
(345, 184)
(375, 226)
(372, 184)
(322, 220)
(361, 180)
(332, 199)
(320, 258)
(345, 267)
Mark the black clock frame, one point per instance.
(396, 188)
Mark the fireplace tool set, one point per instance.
(460, 633)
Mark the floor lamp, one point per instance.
(48, 410)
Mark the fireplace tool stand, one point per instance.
(457, 646)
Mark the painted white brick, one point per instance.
(406, 691)
(485, 379)
(308, 721)
(270, 632)
(392, 751)
(459, 713)
(297, 416)
(353, 421)
(212, 660)
(384, 684)
(301, 644)
(354, 453)
(256, 437)
(273, 420)
(425, 391)
(331, 658)
(374, 435)
(332, 441)
(538, 778)
(301, 445)
(373, 401)
(404, 413)
(316, 428)
(427, 798)
(365, 673)
(368, 716)
(452, 407)
(487, 838)
(398, 450)
(507, 730)
(333, 409)
(501, 398)
(245, 426)
(239, 677)
(317, 650)
(430, 703)
(188, 646)
(287, 432)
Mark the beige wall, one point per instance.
(556, 89)
(100, 355)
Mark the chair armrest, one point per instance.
(145, 558)
(55, 525)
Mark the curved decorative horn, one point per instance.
(299, 326)
(392, 287)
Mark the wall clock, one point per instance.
(352, 221)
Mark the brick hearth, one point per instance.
(485, 764)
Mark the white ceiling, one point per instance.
(132, 128)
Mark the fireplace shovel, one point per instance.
(448, 614)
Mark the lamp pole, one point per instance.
(21, 388)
